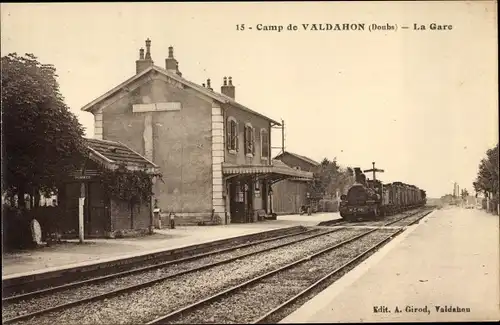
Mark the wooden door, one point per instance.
(97, 222)
(237, 202)
(265, 196)
(249, 197)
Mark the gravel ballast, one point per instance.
(248, 304)
(149, 260)
(72, 294)
(149, 303)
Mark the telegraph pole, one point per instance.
(282, 136)
(282, 127)
(374, 170)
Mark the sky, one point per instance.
(422, 104)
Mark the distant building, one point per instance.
(291, 194)
(214, 153)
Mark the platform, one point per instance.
(450, 259)
(73, 254)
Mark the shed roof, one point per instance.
(304, 158)
(114, 154)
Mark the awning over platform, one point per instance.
(275, 172)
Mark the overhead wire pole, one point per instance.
(374, 170)
(282, 127)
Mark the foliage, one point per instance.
(130, 186)
(328, 178)
(464, 193)
(41, 135)
(487, 177)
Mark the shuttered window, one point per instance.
(264, 143)
(249, 140)
(232, 134)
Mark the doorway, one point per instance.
(265, 196)
(241, 201)
(237, 202)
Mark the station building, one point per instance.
(214, 153)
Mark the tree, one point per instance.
(42, 139)
(488, 173)
(328, 178)
(464, 194)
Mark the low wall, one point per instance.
(191, 218)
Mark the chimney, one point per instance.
(144, 61)
(208, 85)
(178, 72)
(227, 87)
(171, 64)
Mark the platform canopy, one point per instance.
(275, 172)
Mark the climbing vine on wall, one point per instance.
(131, 186)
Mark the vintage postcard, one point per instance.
(250, 162)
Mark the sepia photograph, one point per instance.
(250, 162)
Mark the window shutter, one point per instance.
(236, 137)
(245, 139)
(264, 140)
(229, 139)
(253, 141)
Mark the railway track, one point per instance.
(14, 297)
(17, 287)
(285, 285)
(64, 303)
(81, 292)
(367, 223)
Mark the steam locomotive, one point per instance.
(370, 199)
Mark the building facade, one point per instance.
(103, 214)
(290, 195)
(213, 152)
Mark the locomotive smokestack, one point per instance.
(357, 174)
(359, 177)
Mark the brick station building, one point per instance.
(214, 153)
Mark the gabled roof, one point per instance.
(304, 158)
(205, 91)
(113, 154)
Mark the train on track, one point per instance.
(371, 199)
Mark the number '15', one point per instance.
(240, 27)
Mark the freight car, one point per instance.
(371, 199)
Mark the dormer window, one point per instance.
(232, 135)
(249, 140)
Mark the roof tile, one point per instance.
(118, 153)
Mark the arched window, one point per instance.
(232, 134)
(249, 140)
(264, 143)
